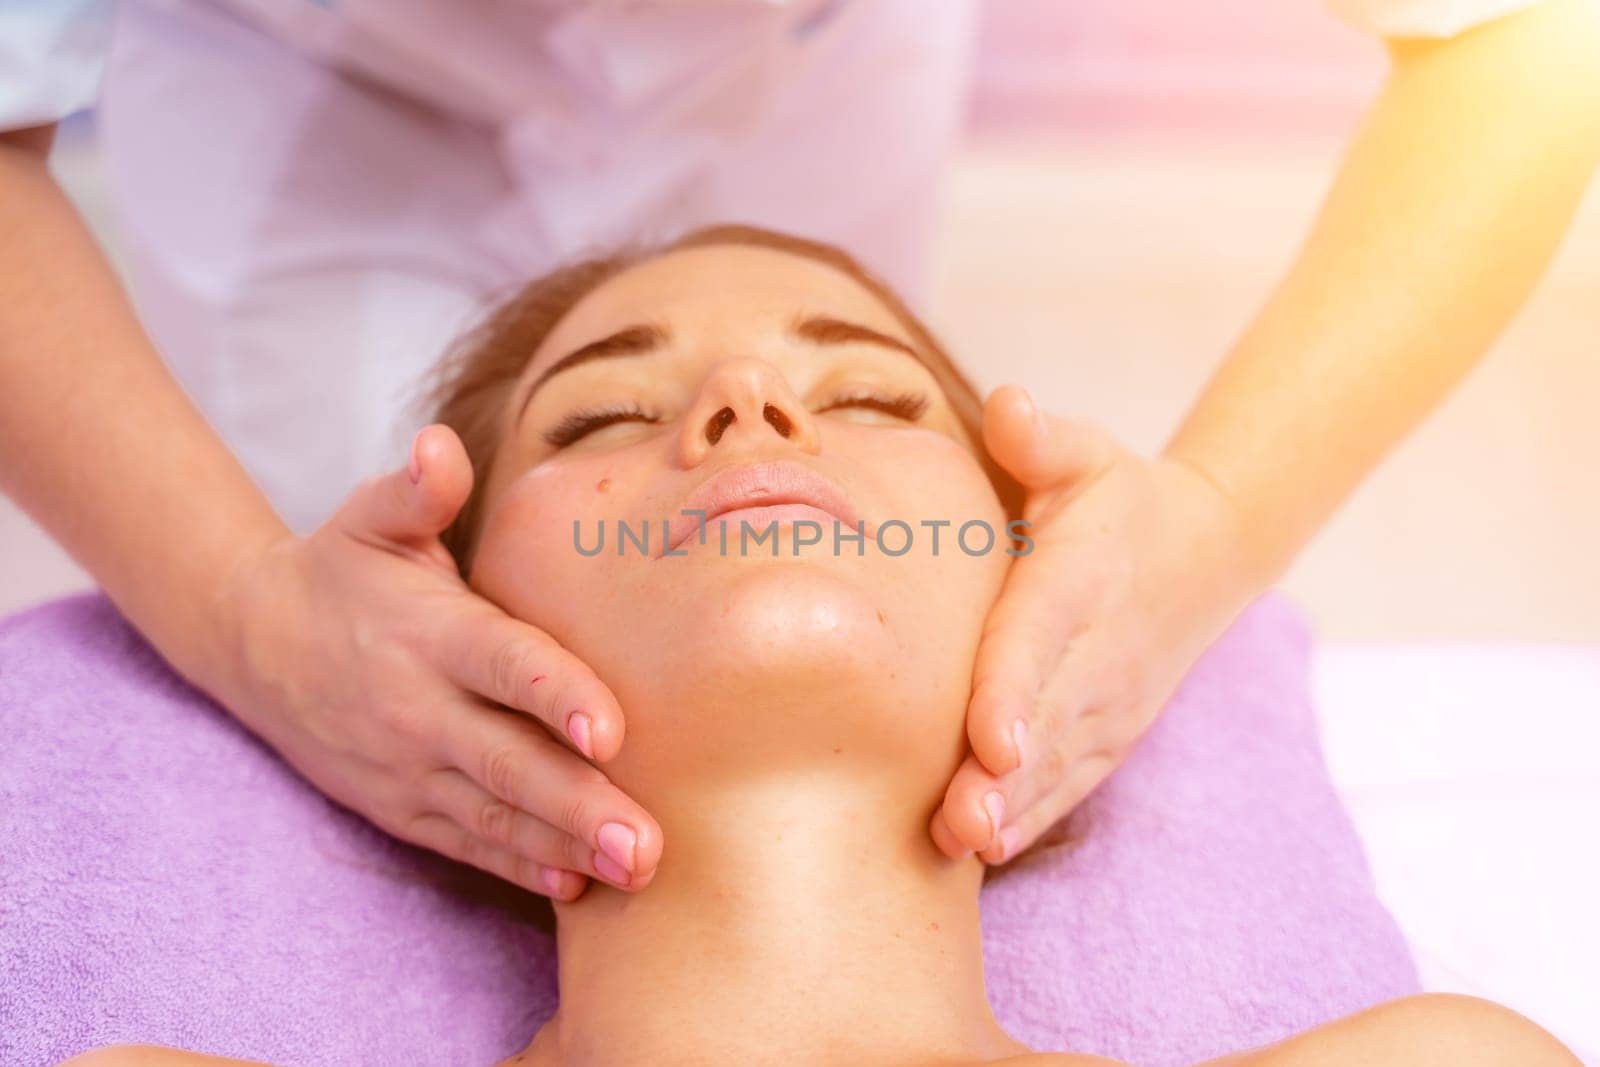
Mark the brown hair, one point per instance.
(469, 389)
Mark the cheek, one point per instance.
(957, 528)
(528, 560)
(957, 562)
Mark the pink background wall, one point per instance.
(1224, 65)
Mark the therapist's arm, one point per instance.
(357, 651)
(1449, 206)
(97, 442)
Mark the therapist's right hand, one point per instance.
(383, 678)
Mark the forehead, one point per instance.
(715, 291)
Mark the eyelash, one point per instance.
(579, 424)
(582, 423)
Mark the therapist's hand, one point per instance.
(369, 664)
(1136, 568)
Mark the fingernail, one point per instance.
(1009, 837)
(414, 465)
(609, 870)
(1019, 738)
(550, 878)
(995, 805)
(578, 729)
(617, 841)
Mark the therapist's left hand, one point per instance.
(1137, 566)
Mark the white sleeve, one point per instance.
(52, 54)
(1423, 18)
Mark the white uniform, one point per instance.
(318, 194)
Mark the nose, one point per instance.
(745, 402)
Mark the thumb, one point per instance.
(415, 503)
(1040, 450)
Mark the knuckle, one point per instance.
(494, 821)
(411, 722)
(574, 813)
(470, 849)
(502, 771)
(398, 807)
(574, 853)
(418, 827)
(506, 668)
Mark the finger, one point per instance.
(1031, 822)
(503, 826)
(1070, 725)
(1026, 634)
(517, 761)
(1000, 714)
(414, 504)
(944, 838)
(974, 805)
(447, 837)
(1039, 449)
(1036, 656)
(520, 666)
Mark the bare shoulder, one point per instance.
(152, 1056)
(1429, 1030)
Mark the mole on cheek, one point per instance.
(603, 485)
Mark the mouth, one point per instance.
(763, 495)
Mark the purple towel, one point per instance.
(165, 878)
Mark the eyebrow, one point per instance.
(647, 337)
(825, 330)
(630, 341)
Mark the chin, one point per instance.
(782, 663)
(801, 622)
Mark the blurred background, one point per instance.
(1136, 178)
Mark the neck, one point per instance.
(805, 918)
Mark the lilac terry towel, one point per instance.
(165, 878)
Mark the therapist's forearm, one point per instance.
(98, 443)
(1448, 207)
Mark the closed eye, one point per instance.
(580, 424)
(907, 406)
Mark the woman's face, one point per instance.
(731, 377)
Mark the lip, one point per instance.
(782, 491)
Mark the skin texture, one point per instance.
(796, 718)
(1416, 263)
(369, 665)
(792, 720)
(1447, 208)
(357, 651)
(1430, 1030)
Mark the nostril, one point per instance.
(718, 424)
(778, 419)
